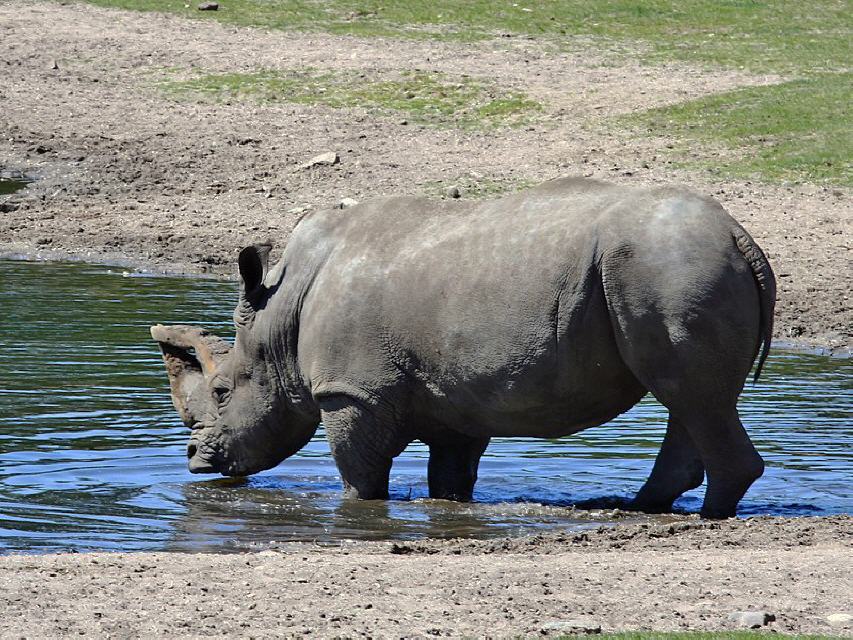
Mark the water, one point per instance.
(12, 181)
(92, 453)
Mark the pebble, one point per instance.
(453, 192)
(840, 619)
(751, 619)
(346, 203)
(208, 6)
(329, 158)
(576, 625)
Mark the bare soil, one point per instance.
(131, 175)
(687, 575)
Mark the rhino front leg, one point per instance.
(453, 464)
(678, 468)
(363, 444)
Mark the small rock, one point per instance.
(751, 619)
(577, 625)
(300, 209)
(328, 159)
(346, 203)
(840, 620)
(453, 192)
(54, 65)
(208, 6)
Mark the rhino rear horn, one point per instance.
(210, 350)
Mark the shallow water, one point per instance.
(12, 181)
(92, 455)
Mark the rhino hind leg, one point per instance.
(700, 388)
(678, 468)
(701, 394)
(709, 418)
(691, 341)
(731, 462)
(452, 469)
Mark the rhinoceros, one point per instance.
(537, 314)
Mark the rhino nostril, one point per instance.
(191, 450)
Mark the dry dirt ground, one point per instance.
(129, 174)
(687, 575)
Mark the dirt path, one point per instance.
(685, 576)
(129, 174)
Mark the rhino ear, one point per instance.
(254, 263)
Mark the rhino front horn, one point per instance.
(187, 370)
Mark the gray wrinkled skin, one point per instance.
(539, 314)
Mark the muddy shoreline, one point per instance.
(685, 575)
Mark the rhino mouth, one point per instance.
(206, 457)
(197, 462)
(200, 458)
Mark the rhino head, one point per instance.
(234, 399)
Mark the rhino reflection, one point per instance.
(233, 514)
(223, 515)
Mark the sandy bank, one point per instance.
(688, 575)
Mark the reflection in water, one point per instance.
(226, 515)
(92, 453)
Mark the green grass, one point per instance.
(701, 635)
(427, 98)
(770, 35)
(798, 131)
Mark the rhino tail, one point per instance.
(766, 282)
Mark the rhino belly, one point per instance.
(552, 375)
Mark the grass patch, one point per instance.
(427, 98)
(797, 131)
(784, 36)
(702, 635)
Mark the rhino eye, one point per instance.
(221, 395)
